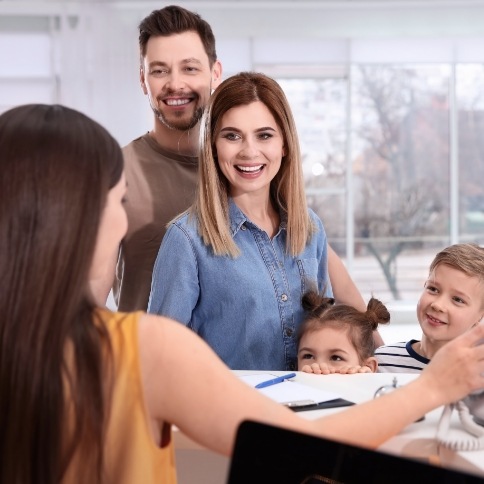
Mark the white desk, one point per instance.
(196, 464)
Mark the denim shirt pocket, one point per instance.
(308, 271)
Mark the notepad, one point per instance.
(295, 395)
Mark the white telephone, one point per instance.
(475, 402)
(471, 414)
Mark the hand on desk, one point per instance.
(323, 369)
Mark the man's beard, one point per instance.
(180, 124)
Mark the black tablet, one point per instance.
(267, 454)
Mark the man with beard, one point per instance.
(178, 70)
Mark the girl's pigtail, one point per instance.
(377, 313)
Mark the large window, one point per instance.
(395, 153)
(319, 108)
(400, 155)
(470, 103)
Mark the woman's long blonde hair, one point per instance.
(211, 207)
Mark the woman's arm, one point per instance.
(174, 286)
(187, 385)
(345, 290)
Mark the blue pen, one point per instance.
(279, 379)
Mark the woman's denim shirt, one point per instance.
(247, 308)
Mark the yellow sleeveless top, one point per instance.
(131, 455)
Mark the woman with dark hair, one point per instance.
(88, 395)
(60, 171)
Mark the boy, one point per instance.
(451, 303)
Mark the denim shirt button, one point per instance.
(284, 297)
(292, 366)
(289, 332)
(243, 227)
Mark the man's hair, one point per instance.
(176, 20)
(467, 258)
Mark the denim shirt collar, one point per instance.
(238, 219)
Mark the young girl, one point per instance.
(338, 338)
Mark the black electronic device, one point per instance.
(267, 454)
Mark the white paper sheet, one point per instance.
(288, 391)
